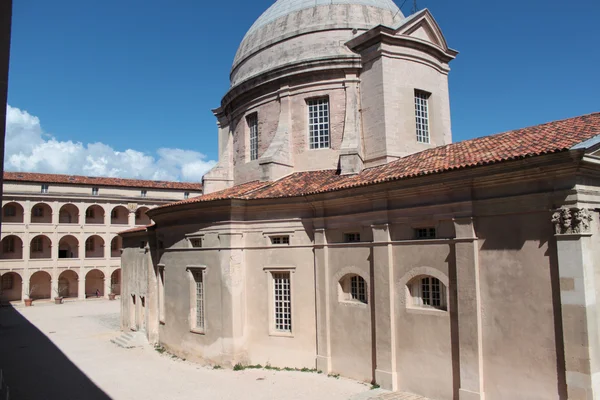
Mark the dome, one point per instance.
(335, 21)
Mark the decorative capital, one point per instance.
(571, 220)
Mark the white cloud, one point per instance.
(30, 149)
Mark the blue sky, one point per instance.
(138, 76)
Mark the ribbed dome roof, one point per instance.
(288, 19)
(282, 8)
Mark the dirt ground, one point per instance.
(64, 352)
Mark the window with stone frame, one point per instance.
(428, 292)
(318, 123)
(161, 293)
(353, 288)
(196, 242)
(8, 244)
(197, 299)
(422, 115)
(280, 239)
(252, 121)
(352, 237)
(143, 193)
(7, 281)
(282, 301)
(186, 195)
(95, 191)
(44, 188)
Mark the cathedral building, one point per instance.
(343, 230)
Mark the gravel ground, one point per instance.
(79, 362)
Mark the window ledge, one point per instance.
(198, 331)
(427, 311)
(350, 303)
(281, 334)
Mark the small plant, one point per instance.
(30, 290)
(336, 376)
(159, 349)
(217, 367)
(238, 367)
(375, 386)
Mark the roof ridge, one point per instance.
(94, 177)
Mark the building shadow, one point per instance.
(34, 368)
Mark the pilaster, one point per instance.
(470, 341)
(81, 284)
(385, 313)
(277, 160)
(351, 160)
(322, 296)
(578, 286)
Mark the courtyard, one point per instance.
(65, 352)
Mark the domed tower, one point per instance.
(331, 84)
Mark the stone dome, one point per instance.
(327, 25)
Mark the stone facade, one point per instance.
(452, 271)
(61, 240)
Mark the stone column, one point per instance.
(351, 161)
(385, 312)
(54, 285)
(131, 219)
(322, 293)
(106, 284)
(470, 341)
(576, 269)
(81, 284)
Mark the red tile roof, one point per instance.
(98, 181)
(542, 139)
(137, 229)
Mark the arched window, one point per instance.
(353, 288)
(428, 292)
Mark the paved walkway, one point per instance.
(64, 352)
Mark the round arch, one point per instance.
(94, 283)
(94, 247)
(40, 247)
(119, 215)
(68, 214)
(11, 286)
(68, 283)
(13, 212)
(94, 214)
(406, 285)
(41, 213)
(116, 244)
(115, 281)
(68, 247)
(141, 218)
(11, 248)
(39, 285)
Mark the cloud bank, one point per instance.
(30, 149)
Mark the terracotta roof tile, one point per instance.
(137, 229)
(98, 181)
(542, 139)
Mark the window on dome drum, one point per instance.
(353, 289)
(351, 237)
(44, 188)
(9, 244)
(284, 239)
(186, 195)
(318, 123)
(37, 245)
(428, 292)
(422, 115)
(7, 282)
(282, 302)
(10, 211)
(95, 191)
(196, 242)
(38, 212)
(143, 193)
(252, 121)
(425, 233)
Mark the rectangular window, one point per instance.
(7, 282)
(95, 191)
(144, 193)
(37, 245)
(352, 237)
(422, 116)
(280, 239)
(199, 282)
(9, 245)
(318, 123)
(44, 188)
(196, 242)
(425, 233)
(252, 121)
(10, 211)
(186, 195)
(38, 211)
(161, 293)
(282, 302)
